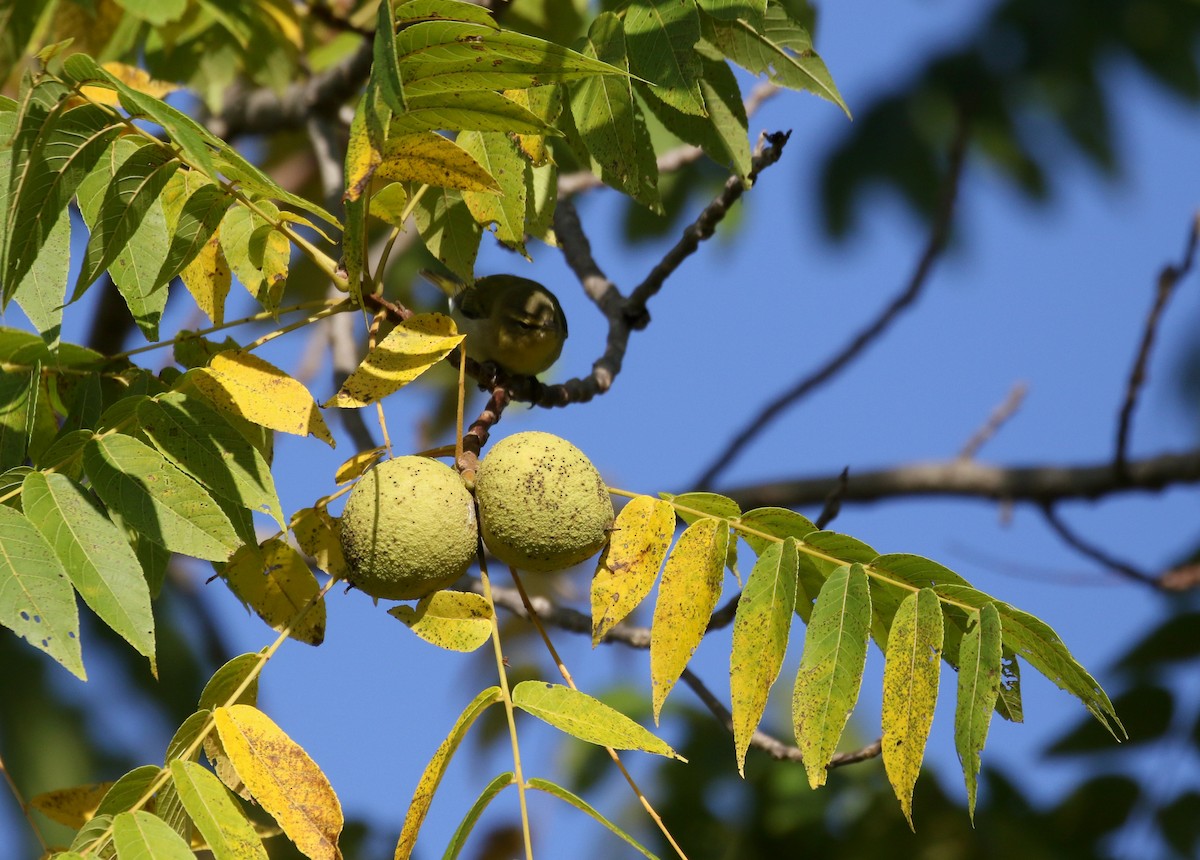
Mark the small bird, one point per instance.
(512, 321)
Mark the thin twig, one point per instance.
(1093, 552)
(1168, 278)
(833, 501)
(938, 236)
(999, 417)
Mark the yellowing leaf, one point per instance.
(72, 806)
(317, 534)
(431, 159)
(390, 204)
(259, 253)
(584, 717)
(629, 565)
(436, 769)
(691, 584)
(208, 278)
(224, 827)
(912, 667)
(831, 668)
(760, 636)
(247, 386)
(283, 779)
(979, 665)
(454, 620)
(274, 580)
(132, 77)
(409, 349)
(358, 464)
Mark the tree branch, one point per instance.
(939, 233)
(1039, 484)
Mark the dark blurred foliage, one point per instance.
(1033, 83)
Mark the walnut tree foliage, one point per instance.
(121, 166)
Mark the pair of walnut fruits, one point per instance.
(409, 527)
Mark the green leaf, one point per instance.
(912, 668)
(582, 805)
(95, 837)
(411, 11)
(662, 37)
(500, 157)
(158, 499)
(693, 506)
(472, 110)
(155, 12)
(461, 833)
(436, 769)
(257, 251)
(115, 199)
(687, 595)
(775, 45)
(630, 562)
(449, 230)
(731, 10)
(102, 566)
(385, 66)
(609, 121)
(586, 718)
(831, 668)
(17, 392)
(142, 836)
(186, 735)
(194, 207)
(441, 56)
(454, 620)
(128, 790)
(979, 659)
(17, 24)
(760, 635)
(201, 442)
(226, 680)
(226, 830)
(36, 600)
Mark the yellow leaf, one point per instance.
(72, 806)
(132, 77)
(691, 584)
(429, 158)
(454, 620)
(410, 349)
(912, 667)
(274, 580)
(208, 278)
(246, 386)
(283, 13)
(627, 569)
(317, 534)
(283, 779)
(358, 464)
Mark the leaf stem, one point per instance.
(612, 753)
(508, 704)
(20, 798)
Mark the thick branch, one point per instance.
(1041, 484)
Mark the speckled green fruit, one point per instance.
(408, 529)
(542, 504)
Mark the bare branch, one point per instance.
(1039, 484)
(1168, 278)
(1095, 553)
(936, 243)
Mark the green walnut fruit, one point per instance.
(408, 529)
(542, 504)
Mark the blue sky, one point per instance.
(1052, 296)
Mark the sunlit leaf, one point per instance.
(627, 568)
(911, 671)
(219, 820)
(662, 37)
(245, 385)
(978, 686)
(436, 769)
(128, 790)
(141, 836)
(101, 564)
(228, 679)
(36, 600)
(454, 620)
(431, 159)
(586, 718)
(687, 595)
(257, 251)
(283, 780)
(316, 533)
(499, 156)
(408, 350)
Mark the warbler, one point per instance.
(512, 321)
